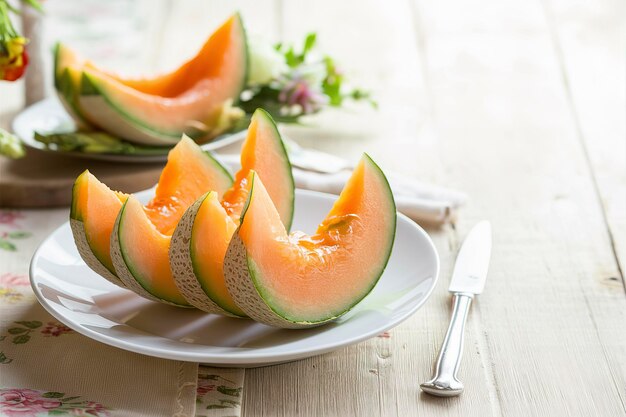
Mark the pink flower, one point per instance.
(14, 280)
(90, 408)
(16, 402)
(55, 329)
(9, 217)
(203, 388)
(297, 92)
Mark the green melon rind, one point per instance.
(240, 273)
(124, 268)
(185, 275)
(66, 90)
(242, 288)
(246, 58)
(98, 106)
(227, 176)
(286, 164)
(88, 255)
(90, 258)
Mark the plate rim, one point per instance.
(214, 145)
(226, 359)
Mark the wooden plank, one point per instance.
(549, 315)
(508, 137)
(380, 376)
(590, 39)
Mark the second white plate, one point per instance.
(49, 116)
(89, 304)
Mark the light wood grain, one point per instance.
(521, 105)
(547, 337)
(379, 46)
(511, 140)
(590, 38)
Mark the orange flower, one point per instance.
(13, 58)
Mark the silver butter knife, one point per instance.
(468, 279)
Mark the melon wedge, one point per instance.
(92, 217)
(67, 73)
(196, 99)
(141, 235)
(297, 281)
(202, 236)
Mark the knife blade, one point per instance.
(468, 279)
(472, 262)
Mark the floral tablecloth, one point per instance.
(47, 369)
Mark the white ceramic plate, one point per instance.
(49, 116)
(89, 304)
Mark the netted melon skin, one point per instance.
(182, 264)
(242, 289)
(80, 237)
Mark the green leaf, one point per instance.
(13, 9)
(96, 142)
(6, 245)
(309, 43)
(35, 5)
(58, 412)
(18, 235)
(10, 145)
(291, 58)
(52, 394)
(4, 360)
(17, 330)
(224, 404)
(21, 339)
(68, 399)
(233, 392)
(33, 324)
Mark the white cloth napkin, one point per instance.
(424, 203)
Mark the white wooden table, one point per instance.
(520, 104)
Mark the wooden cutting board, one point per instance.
(42, 179)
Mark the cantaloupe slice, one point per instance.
(92, 217)
(141, 235)
(67, 73)
(295, 280)
(202, 236)
(196, 99)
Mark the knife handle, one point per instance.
(445, 383)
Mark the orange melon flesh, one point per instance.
(190, 99)
(145, 251)
(145, 232)
(209, 62)
(96, 206)
(213, 228)
(257, 155)
(315, 278)
(262, 152)
(185, 178)
(67, 73)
